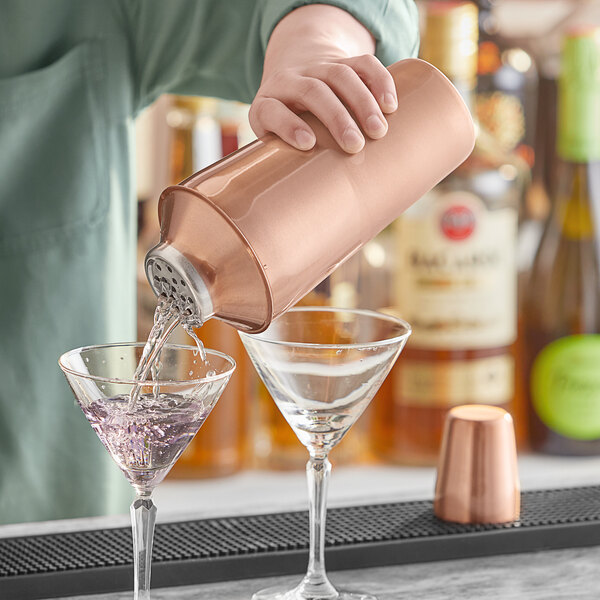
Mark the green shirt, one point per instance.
(73, 76)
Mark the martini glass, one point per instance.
(147, 437)
(322, 367)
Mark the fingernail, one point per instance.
(352, 140)
(389, 102)
(304, 139)
(375, 126)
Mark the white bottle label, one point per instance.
(456, 274)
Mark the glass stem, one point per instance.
(143, 517)
(315, 584)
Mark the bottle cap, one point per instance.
(578, 137)
(478, 479)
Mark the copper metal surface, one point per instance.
(267, 223)
(478, 480)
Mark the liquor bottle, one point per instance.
(455, 278)
(562, 317)
(506, 88)
(223, 447)
(506, 103)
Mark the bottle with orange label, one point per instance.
(455, 276)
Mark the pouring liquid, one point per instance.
(166, 318)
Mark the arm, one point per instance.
(320, 59)
(298, 54)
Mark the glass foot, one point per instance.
(276, 593)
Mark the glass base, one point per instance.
(277, 593)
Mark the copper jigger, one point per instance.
(478, 480)
(246, 238)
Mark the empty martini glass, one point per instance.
(323, 366)
(145, 438)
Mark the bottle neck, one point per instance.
(578, 128)
(577, 196)
(576, 209)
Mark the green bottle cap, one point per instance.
(578, 138)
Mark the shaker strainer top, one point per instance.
(171, 274)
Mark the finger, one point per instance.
(377, 78)
(271, 115)
(315, 96)
(352, 90)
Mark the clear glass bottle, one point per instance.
(455, 278)
(562, 306)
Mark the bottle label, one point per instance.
(565, 386)
(456, 275)
(488, 380)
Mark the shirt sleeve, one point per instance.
(216, 47)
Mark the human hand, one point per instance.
(319, 59)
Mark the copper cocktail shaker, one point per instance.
(244, 239)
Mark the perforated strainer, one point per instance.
(171, 274)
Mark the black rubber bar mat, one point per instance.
(185, 553)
